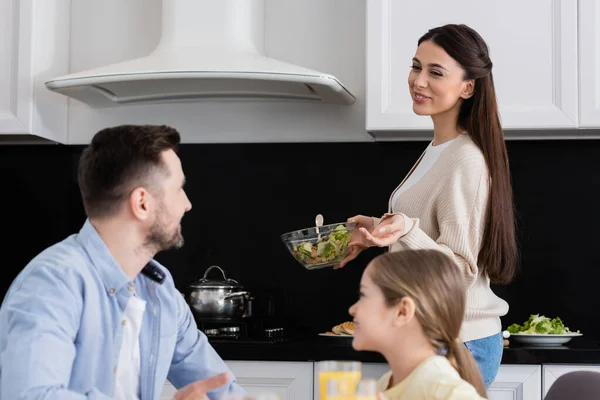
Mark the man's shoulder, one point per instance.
(58, 272)
(62, 260)
(68, 253)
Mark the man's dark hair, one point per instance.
(118, 160)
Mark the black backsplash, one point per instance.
(245, 195)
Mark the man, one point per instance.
(94, 316)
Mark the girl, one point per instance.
(458, 197)
(410, 310)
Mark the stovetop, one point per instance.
(238, 334)
(250, 330)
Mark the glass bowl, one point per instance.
(319, 250)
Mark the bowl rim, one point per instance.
(350, 226)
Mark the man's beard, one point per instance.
(159, 238)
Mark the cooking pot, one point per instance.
(218, 299)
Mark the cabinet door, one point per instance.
(533, 45)
(374, 370)
(289, 380)
(553, 372)
(16, 94)
(517, 382)
(33, 47)
(589, 64)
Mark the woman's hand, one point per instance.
(390, 229)
(357, 243)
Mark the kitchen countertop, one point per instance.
(577, 351)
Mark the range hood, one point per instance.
(209, 49)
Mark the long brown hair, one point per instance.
(435, 284)
(498, 256)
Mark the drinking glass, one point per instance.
(346, 373)
(341, 389)
(366, 390)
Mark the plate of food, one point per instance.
(335, 335)
(539, 330)
(343, 330)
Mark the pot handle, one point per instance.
(235, 294)
(222, 273)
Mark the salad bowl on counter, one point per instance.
(319, 247)
(539, 330)
(544, 340)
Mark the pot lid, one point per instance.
(225, 283)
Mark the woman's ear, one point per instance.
(468, 89)
(405, 311)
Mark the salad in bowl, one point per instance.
(325, 248)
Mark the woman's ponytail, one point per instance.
(462, 360)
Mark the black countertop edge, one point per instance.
(579, 351)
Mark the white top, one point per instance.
(432, 153)
(127, 386)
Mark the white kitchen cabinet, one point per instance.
(589, 64)
(552, 372)
(514, 382)
(33, 45)
(533, 45)
(299, 380)
(16, 94)
(517, 382)
(374, 370)
(289, 380)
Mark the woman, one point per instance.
(458, 197)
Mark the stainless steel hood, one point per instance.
(209, 50)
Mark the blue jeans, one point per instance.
(487, 352)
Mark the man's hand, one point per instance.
(197, 390)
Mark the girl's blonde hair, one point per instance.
(433, 281)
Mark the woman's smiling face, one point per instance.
(436, 81)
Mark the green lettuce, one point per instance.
(540, 325)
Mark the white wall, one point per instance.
(326, 35)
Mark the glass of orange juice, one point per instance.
(341, 389)
(347, 373)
